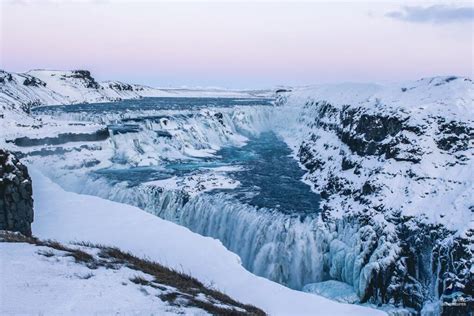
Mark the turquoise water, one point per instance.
(269, 177)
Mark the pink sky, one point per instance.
(238, 44)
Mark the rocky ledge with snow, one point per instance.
(394, 167)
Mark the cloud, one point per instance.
(437, 14)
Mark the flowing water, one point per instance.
(268, 219)
(146, 104)
(270, 178)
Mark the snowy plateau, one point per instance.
(341, 199)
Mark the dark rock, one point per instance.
(164, 134)
(120, 86)
(16, 195)
(454, 136)
(5, 77)
(308, 159)
(446, 80)
(365, 134)
(98, 135)
(347, 164)
(368, 189)
(33, 82)
(86, 76)
(219, 117)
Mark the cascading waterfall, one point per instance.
(284, 248)
(276, 246)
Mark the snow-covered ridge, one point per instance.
(394, 167)
(55, 87)
(448, 95)
(423, 127)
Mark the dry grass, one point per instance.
(188, 286)
(78, 255)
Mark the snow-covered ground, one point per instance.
(54, 87)
(43, 281)
(65, 216)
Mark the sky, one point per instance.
(239, 44)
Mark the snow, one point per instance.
(441, 185)
(68, 87)
(35, 284)
(450, 96)
(199, 182)
(67, 216)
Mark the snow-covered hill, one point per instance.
(394, 167)
(54, 87)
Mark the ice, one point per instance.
(335, 290)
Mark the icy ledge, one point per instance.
(67, 216)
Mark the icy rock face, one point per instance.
(394, 168)
(16, 201)
(157, 136)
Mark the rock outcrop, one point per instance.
(16, 196)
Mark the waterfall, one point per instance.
(273, 245)
(285, 248)
(288, 249)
